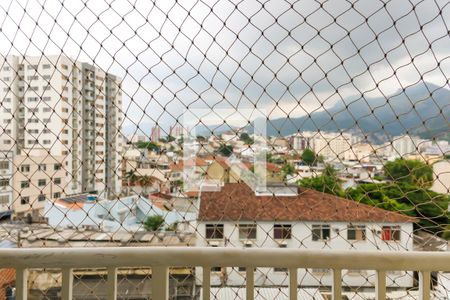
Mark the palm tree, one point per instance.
(145, 181)
(131, 177)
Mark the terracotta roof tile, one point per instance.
(199, 162)
(236, 201)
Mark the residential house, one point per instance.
(302, 219)
(224, 170)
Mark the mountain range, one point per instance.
(422, 109)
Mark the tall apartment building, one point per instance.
(6, 189)
(68, 108)
(156, 133)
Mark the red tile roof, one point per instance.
(237, 202)
(199, 162)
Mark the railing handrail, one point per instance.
(104, 257)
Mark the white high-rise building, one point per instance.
(70, 109)
(405, 145)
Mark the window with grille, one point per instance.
(214, 231)
(247, 231)
(390, 233)
(320, 232)
(356, 232)
(282, 231)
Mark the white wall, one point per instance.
(302, 239)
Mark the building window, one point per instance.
(41, 197)
(57, 167)
(42, 167)
(320, 232)
(4, 182)
(282, 231)
(356, 232)
(57, 180)
(390, 233)
(4, 165)
(57, 195)
(46, 66)
(24, 200)
(247, 231)
(214, 231)
(42, 182)
(24, 184)
(4, 199)
(25, 168)
(217, 269)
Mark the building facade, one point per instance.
(38, 176)
(71, 109)
(299, 219)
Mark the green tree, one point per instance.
(288, 169)
(328, 182)
(309, 157)
(225, 150)
(147, 145)
(246, 138)
(430, 208)
(146, 181)
(323, 184)
(330, 171)
(409, 171)
(131, 178)
(201, 138)
(154, 223)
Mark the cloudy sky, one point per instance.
(287, 57)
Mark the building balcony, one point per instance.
(202, 260)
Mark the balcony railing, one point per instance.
(161, 258)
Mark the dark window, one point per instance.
(282, 232)
(320, 232)
(24, 184)
(214, 231)
(356, 232)
(247, 231)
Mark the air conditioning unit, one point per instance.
(282, 244)
(214, 243)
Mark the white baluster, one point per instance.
(67, 284)
(337, 288)
(380, 285)
(21, 284)
(160, 283)
(424, 285)
(112, 283)
(206, 283)
(293, 283)
(250, 283)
